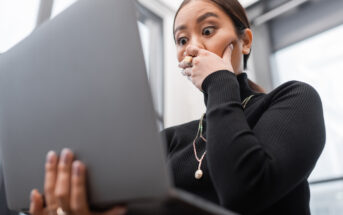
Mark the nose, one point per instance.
(195, 42)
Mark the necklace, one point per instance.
(246, 100)
(199, 173)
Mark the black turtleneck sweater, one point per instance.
(258, 158)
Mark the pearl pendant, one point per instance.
(198, 174)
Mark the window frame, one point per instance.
(156, 57)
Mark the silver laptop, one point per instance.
(79, 81)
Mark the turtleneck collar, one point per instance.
(245, 89)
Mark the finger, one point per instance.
(183, 72)
(50, 180)
(188, 72)
(192, 51)
(228, 53)
(62, 190)
(36, 204)
(186, 62)
(184, 65)
(78, 198)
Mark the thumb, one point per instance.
(227, 53)
(36, 205)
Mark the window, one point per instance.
(327, 198)
(151, 34)
(247, 3)
(318, 61)
(17, 20)
(60, 5)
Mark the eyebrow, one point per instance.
(199, 19)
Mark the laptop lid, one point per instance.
(79, 81)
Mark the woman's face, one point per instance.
(203, 24)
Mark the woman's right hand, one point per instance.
(65, 189)
(203, 63)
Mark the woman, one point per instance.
(252, 152)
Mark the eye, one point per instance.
(208, 30)
(182, 41)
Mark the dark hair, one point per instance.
(235, 11)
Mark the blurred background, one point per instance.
(293, 40)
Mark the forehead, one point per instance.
(196, 8)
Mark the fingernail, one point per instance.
(50, 156)
(32, 194)
(188, 59)
(231, 46)
(77, 168)
(65, 154)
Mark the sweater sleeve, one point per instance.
(252, 169)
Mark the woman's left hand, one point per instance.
(65, 189)
(205, 63)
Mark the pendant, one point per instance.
(198, 174)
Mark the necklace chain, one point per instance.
(199, 131)
(199, 173)
(246, 100)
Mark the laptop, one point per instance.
(79, 81)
